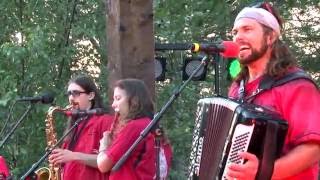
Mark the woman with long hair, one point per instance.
(134, 110)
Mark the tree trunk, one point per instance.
(130, 42)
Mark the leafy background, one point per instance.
(42, 43)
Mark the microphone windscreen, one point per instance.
(231, 49)
(47, 98)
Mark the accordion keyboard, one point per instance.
(240, 143)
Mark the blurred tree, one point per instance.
(42, 43)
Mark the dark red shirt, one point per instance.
(298, 102)
(141, 164)
(88, 142)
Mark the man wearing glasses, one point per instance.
(78, 155)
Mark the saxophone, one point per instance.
(53, 172)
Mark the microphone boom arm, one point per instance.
(48, 151)
(16, 125)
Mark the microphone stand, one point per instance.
(216, 63)
(158, 134)
(8, 118)
(157, 118)
(48, 152)
(16, 125)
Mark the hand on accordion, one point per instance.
(246, 171)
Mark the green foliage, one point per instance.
(42, 43)
(191, 21)
(179, 119)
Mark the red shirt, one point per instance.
(298, 102)
(3, 167)
(141, 164)
(88, 142)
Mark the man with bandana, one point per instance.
(262, 54)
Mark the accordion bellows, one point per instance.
(224, 127)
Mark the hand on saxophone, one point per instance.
(59, 156)
(105, 141)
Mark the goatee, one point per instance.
(255, 54)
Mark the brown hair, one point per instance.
(88, 84)
(139, 100)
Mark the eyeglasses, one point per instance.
(74, 93)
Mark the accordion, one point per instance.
(224, 127)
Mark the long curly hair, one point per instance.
(281, 57)
(87, 83)
(139, 100)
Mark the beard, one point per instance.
(255, 54)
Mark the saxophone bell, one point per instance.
(43, 173)
(53, 172)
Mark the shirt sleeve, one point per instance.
(232, 91)
(301, 107)
(3, 167)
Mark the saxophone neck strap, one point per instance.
(77, 131)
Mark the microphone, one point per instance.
(45, 98)
(81, 113)
(228, 49)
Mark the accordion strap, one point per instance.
(266, 164)
(269, 82)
